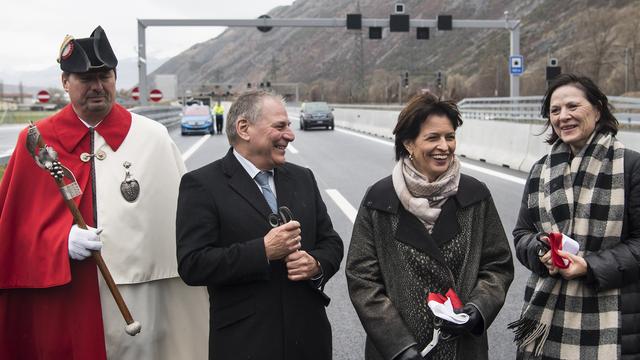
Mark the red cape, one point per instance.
(50, 304)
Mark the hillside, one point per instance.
(587, 36)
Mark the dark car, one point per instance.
(196, 119)
(316, 114)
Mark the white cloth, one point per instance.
(140, 250)
(445, 311)
(174, 319)
(139, 237)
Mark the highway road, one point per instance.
(345, 164)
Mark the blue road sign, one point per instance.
(516, 65)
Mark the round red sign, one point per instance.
(155, 95)
(43, 96)
(135, 93)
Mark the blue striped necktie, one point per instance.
(263, 180)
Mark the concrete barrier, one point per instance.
(513, 144)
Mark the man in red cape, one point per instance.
(53, 303)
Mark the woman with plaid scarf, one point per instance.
(587, 305)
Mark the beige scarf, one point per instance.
(420, 197)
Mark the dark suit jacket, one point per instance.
(256, 312)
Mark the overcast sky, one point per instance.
(31, 31)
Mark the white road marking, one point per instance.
(464, 164)
(343, 204)
(368, 137)
(7, 153)
(292, 149)
(497, 174)
(187, 154)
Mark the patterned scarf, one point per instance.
(420, 197)
(583, 198)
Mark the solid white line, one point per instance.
(292, 149)
(187, 154)
(343, 204)
(7, 153)
(464, 164)
(368, 137)
(497, 174)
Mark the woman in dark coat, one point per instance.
(588, 188)
(427, 228)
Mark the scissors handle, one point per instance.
(283, 216)
(433, 343)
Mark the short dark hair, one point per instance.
(607, 123)
(411, 118)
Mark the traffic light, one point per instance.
(375, 32)
(422, 33)
(268, 84)
(248, 85)
(354, 21)
(399, 23)
(439, 79)
(261, 85)
(405, 81)
(445, 22)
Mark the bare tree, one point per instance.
(631, 36)
(598, 27)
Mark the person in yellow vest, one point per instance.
(218, 110)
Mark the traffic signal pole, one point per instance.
(265, 24)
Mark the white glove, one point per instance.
(82, 241)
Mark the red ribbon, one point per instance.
(555, 241)
(451, 295)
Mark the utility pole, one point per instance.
(273, 72)
(626, 70)
(359, 61)
(21, 90)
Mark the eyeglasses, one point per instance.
(283, 216)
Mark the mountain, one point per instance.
(586, 36)
(50, 77)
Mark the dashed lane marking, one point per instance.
(292, 149)
(187, 154)
(343, 204)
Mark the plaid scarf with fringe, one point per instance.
(582, 197)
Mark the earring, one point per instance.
(411, 156)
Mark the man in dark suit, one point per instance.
(265, 284)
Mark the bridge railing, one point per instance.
(527, 108)
(166, 115)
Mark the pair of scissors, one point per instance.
(437, 336)
(283, 216)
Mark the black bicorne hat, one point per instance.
(83, 55)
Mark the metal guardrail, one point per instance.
(166, 115)
(527, 108)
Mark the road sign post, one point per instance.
(155, 95)
(135, 93)
(43, 96)
(516, 65)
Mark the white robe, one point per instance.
(140, 250)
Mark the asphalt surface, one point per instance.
(347, 163)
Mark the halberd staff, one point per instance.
(46, 157)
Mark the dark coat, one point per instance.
(256, 312)
(617, 267)
(393, 263)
